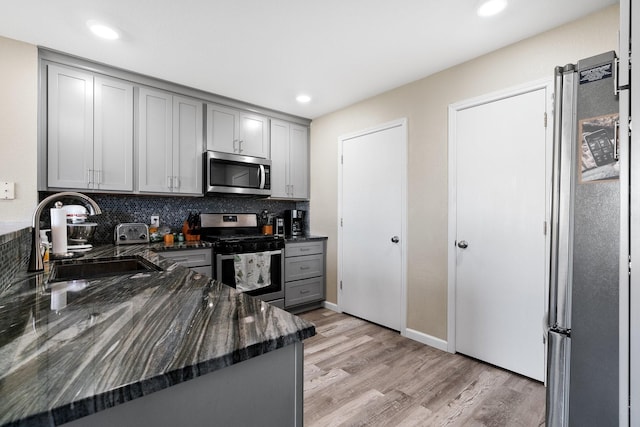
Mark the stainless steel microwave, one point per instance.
(235, 174)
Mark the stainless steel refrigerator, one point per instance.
(582, 365)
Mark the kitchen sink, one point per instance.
(99, 267)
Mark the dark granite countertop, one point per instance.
(76, 348)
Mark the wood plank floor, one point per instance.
(361, 374)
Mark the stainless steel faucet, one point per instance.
(35, 260)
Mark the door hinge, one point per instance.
(342, 159)
(340, 284)
(340, 222)
(544, 228)
(545, 119)
(629, 265)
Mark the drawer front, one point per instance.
(190, 257)
(303, 267)
(306, 248)
(303, 291)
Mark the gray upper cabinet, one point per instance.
(289, 160)
(169, 143)
(237, 132)
(89, 131)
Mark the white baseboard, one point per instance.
(423, 338)
(331, 306)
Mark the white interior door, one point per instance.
(500, 260)
(372, 234)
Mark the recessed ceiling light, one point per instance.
(303, 99)
(490, 7)
(103, 31)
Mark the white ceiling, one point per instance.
(265, 52)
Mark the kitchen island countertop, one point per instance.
(75, 348)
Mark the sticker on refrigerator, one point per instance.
(596, 73)
(598, 158)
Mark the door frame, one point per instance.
(453, 109)
(402, 123)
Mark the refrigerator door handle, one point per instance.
(616, 130)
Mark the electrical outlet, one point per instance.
(155, 220)
(7, 190)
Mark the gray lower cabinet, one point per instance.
(199, 260)
(264, 391)
(304, 273)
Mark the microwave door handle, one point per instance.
(262, 177)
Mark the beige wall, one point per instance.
(18, 128)
(425, 104)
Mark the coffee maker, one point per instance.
(294, 222)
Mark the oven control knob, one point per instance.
(143, 236)
(123, 237)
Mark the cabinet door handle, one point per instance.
(306, 291)
(169, 182)
(240, 145)
(305, 267)
(97, 173)
(234, 145)
(89, 177)
(176, 182)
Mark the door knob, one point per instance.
(395, 239)
(462, 244)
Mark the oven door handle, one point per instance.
(262, 177)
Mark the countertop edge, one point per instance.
(130, 392)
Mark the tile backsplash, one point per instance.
(173, 210)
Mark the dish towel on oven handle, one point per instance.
(252, 271)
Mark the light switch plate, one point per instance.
(7, 190)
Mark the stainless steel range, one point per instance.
(244, 258)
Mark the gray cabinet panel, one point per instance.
(190, 257)
(237, 132)
(303, 267)
(222, 128)
(187, 145)
(70, 127)
(290, 160)
(113, 135)
(169, 143)
(155, 141)
(302, 291)
(306, 248)
(199, 260)
(299, 161)
(90, 131)
(254, 135)
(304, 273)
